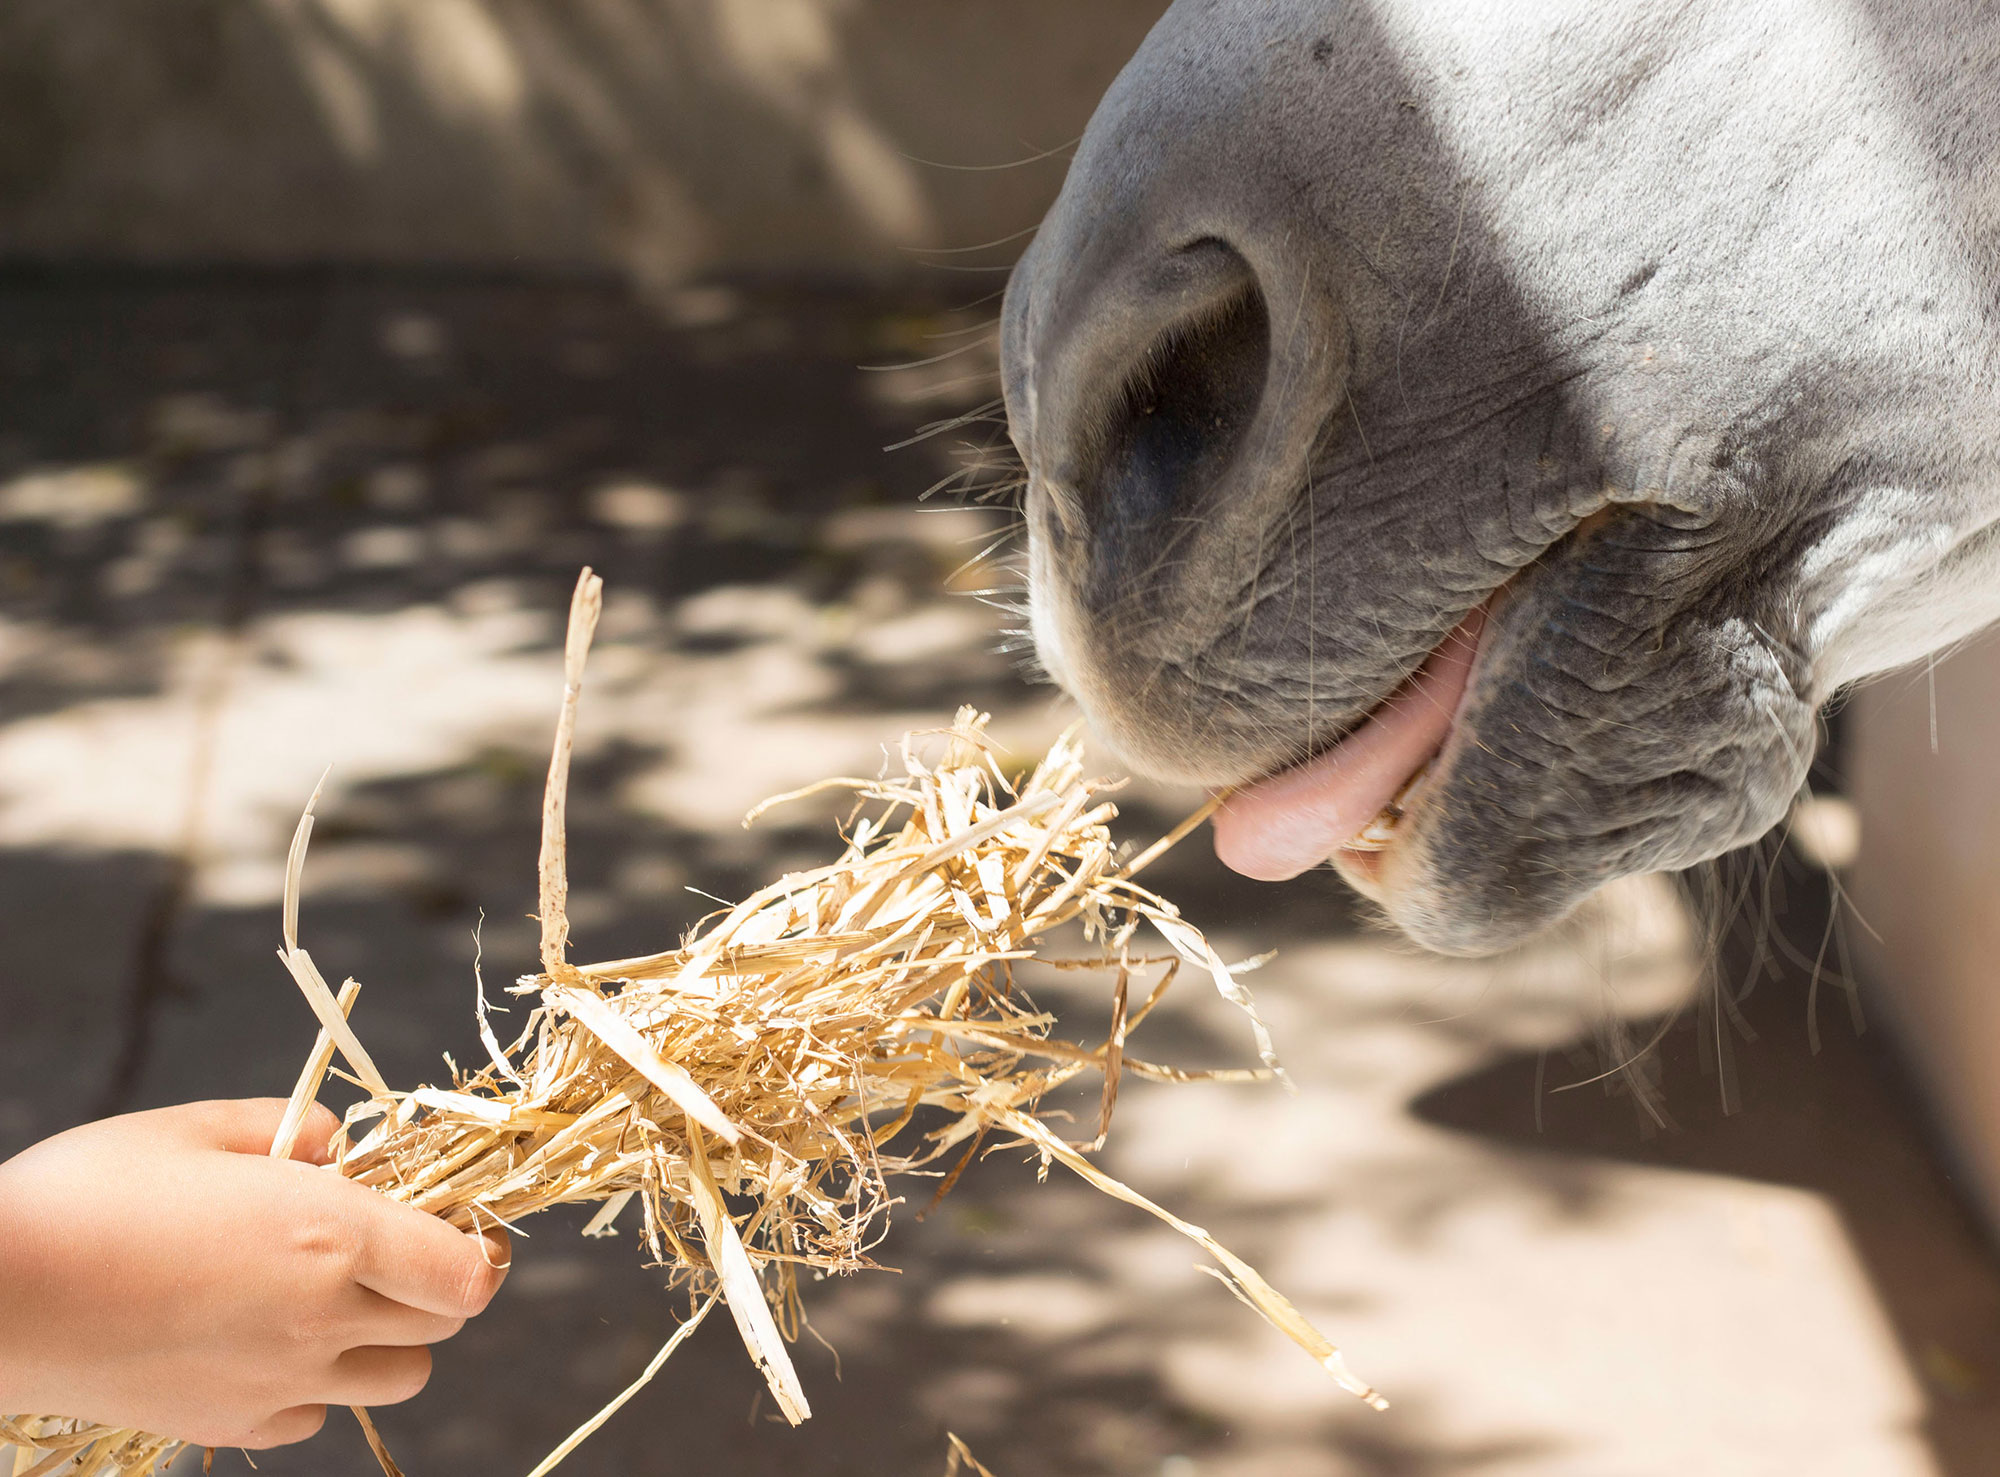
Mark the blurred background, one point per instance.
(335, 335)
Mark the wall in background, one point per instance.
(660, 137)
(1927, 889)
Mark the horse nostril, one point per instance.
(1182, 413)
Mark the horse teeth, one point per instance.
(1378, 833)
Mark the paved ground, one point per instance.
(251, 527)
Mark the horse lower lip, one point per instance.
(1294, 820)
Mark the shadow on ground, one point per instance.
(1787, 1086)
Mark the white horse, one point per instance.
(1487, 433)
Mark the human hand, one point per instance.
(161, 1271)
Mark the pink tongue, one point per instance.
(1293, 821)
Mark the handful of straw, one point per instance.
(842, 1026)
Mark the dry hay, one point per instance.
(839, 1028)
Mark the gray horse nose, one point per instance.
(1158, 388)
(1132, 386)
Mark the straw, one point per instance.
(752, 1093)
(963, 1463)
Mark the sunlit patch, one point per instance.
(744, 613)
(183, 424)
(113, 773)
(1033, 1306)
(73, 497)
(932, 633)
(947, 529)
(638, 507)
(390, 546)
(1826, 831)
(398, 488)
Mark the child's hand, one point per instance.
(161, 1271)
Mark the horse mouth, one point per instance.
(1348, 803)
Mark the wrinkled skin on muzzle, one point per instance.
(1667, 337)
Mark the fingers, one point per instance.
(249, 1125)
(497, 1248)
(316, 1130)
(381, 1320)
(235, 1125)
(417, 1259)
(281, 1429)
(379, 1376)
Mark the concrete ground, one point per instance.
(253, 526)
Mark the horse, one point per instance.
(1482, 438)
